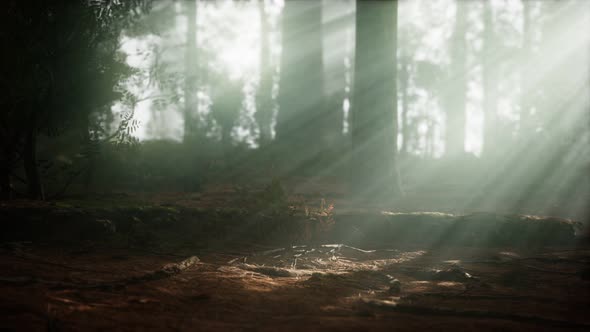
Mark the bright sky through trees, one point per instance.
(231, 31)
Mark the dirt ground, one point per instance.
(135, 263)
(323, 287)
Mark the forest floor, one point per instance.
(143, 263)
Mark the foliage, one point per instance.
(64, 72)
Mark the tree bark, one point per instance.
(337, 19)
(301, 97)
(34, 186)
(5, 186)
(374, 110)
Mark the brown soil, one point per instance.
(128, 263)
(333, 288)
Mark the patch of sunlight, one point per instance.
(419, 285)
(401, 258)
(450, 284)
(509, 254)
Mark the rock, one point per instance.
(395, 287)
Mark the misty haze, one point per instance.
(295, 165)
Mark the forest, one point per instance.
(287, 165)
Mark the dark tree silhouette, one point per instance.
(337, 20)
(57, 83)
(227, 99)
(374, 111)
(299, 122)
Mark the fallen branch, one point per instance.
(166, 271)
(267, 270)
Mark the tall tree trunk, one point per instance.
(34, 186)
(455, 117)
(6, 157)
(374, 111)
(264, 105)
(190, 100)
(490, 82)
(91, 151)
(5, 185)
(337, 18)
(301, 97)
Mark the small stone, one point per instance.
(395, 287)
